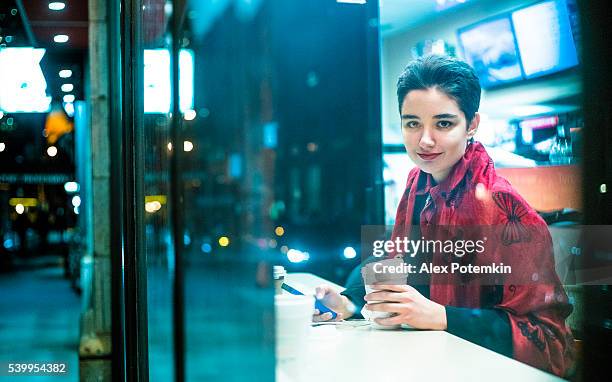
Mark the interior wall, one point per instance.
(497, 103)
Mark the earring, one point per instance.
(471, 140)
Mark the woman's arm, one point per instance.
(489, 328)
(533, 296)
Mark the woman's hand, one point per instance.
(343, 307)
(410, 307)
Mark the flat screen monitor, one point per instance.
(529, 42)
(490, 48)
(544, 37)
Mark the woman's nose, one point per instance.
(426, 141)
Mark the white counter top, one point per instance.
(342, 353)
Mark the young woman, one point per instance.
(454, 184)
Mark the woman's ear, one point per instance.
(473, 128)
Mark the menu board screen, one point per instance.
(495, 59)
(544, 37)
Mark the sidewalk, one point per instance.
(39, 318)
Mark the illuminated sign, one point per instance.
(157, 90)
(539, 123)
(22, 83)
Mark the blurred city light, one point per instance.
(169, 146)
(76, 210)
(270, 131)
(224, 241)
(272, 243)
(312, 147)
(279, 231)
(76, 201)
(157, 80)
(68, 98)
(71, 187)
(168, 8)
(1, 114)
(2, 146)
(67, 88)
(61, 38)
(262, 243)
(19, 209)
(352, 1)
(24, 88)
(284, 249)
(8, 243)
(206, 248)
(190, 115)
(296, 256)
(162, 199)
(65, 73)
(349, 253)
(603, 188)
(26, 202)
(51, 151)
(187, 146)
(57, 5)
(153, 206)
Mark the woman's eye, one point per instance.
(411, 124)
(445, 124)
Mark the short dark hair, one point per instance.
(455, 78)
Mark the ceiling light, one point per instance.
(69, 98)
(52, 151)
(69, 109)
(67, 88)
(57, 5)
(65, 73)
(61, 38)
(71, 187)
(76, 201)
(187, 146)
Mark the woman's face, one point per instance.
(434, 131)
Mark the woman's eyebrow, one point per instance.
(410, 116)
(446, 116)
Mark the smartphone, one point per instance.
(318, 304)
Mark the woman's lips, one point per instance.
(431, 156)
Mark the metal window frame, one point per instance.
(130, 274)
(177, 195)
(116, 201)
(129, 268)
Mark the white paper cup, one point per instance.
(293, 318)
(370, 276)
(371, 315)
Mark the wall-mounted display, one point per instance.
(529, 42)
